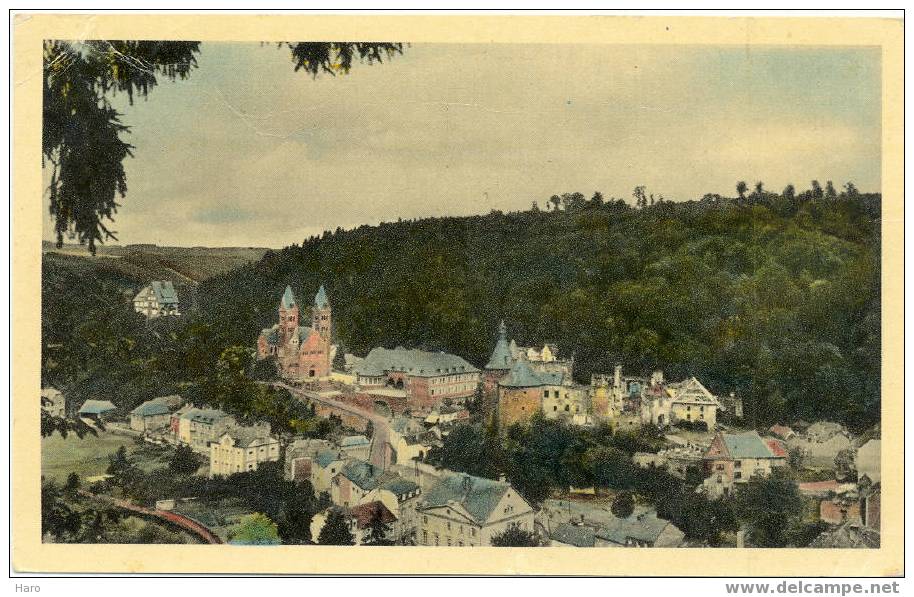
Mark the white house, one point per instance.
(157, 300)
(462, 510)
(241, 451)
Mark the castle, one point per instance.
(300, 351)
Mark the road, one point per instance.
(381, 435)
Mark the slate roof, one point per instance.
(645, 526)
(325, 457)
(476, 495)
(164, 292)
(96, 407)
(320, 299)
(501, 356)
(399, 486)
(746, 445)
(417, 363)
(522, 375)
(364, 474)
(576, 535)
(271, 334)
(150, 408)
(288, 298)
(354, 440)
(207, 416)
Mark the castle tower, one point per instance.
(288, 316)
(321, 314)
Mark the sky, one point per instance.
(247, 152)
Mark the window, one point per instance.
(555, 408)
(738, 464)
(437, 540)
(425, 519)
(473, 531)
(737, 475)
(567, 408)
(425, 537)
(545, 393)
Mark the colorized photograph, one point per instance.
(390, 293)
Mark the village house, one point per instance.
(617, 394)
(155, 414)
(157, 300)
(733, 459)
(197, 427)
(641, 529)
(301, 352)
(353, 482)
(241, 451)
(355, 446)
(53, 402)
(429, 378)
(97, 410)
(820, 444)
(300, 455)
(324, 468)
(414, 446)
(400, 496)
(462, 510)
(782, 432)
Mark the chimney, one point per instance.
(617, 377)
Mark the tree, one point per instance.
(378, 529)
(555, 201)
(817, 192)
(82, 132)
(741, 188)
(119, 463)
(298, 510)
(789, 192)
(254, 529)
(184, 461)
(769, 507)
(597, 199)
(830, 190)
(336, 530)
(639, 193)
(846, 465)
(72, 484)
(850, 189)
(515, 536)
(623, 505)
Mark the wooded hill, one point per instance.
(773, 296)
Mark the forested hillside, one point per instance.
(775, 297)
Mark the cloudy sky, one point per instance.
(249, 153)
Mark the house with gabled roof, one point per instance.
(733, 459)
(98, 410)
(157, 300)
(401, 496)
(463, 510)
(324, 467)
(241, 450)
(155, 414)
(354, 481)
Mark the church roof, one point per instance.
(501, 356)
(320, 299)
(288, 298)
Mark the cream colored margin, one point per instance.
(29, 554)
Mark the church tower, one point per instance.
(321, 314)
(288, 316)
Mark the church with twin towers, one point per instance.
(303, 352)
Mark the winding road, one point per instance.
(380, 437)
